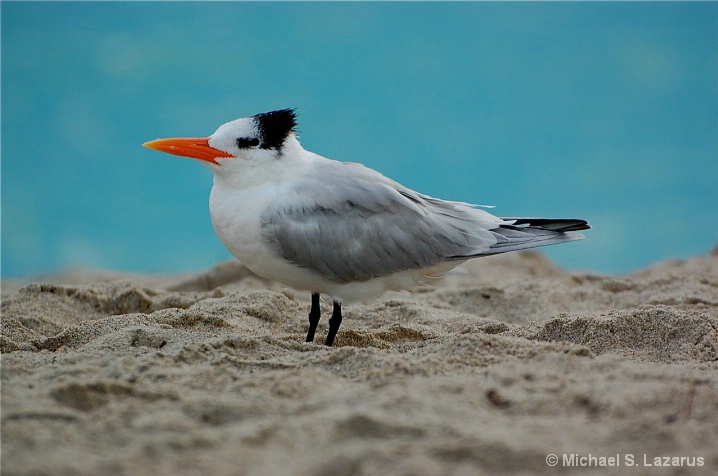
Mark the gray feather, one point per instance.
(356, 225)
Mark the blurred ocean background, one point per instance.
(603, 111)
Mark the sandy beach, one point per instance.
(490, 371)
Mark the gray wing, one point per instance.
(350, 223)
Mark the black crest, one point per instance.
(275, 126)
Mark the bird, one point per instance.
(339, 228)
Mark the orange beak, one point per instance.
(194, 148)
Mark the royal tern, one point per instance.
(339, 228)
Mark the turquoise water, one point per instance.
(603, 111)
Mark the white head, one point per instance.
(256, 139)
(253, 135)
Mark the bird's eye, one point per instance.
(247, 142)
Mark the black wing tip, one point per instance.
(554, 224)
(575, 225)
(585, 225)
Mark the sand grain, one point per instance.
(486, 374)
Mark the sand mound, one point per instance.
(489, 373)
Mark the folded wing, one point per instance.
(350, 223)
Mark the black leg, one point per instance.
(314, 314)
(334, 323)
